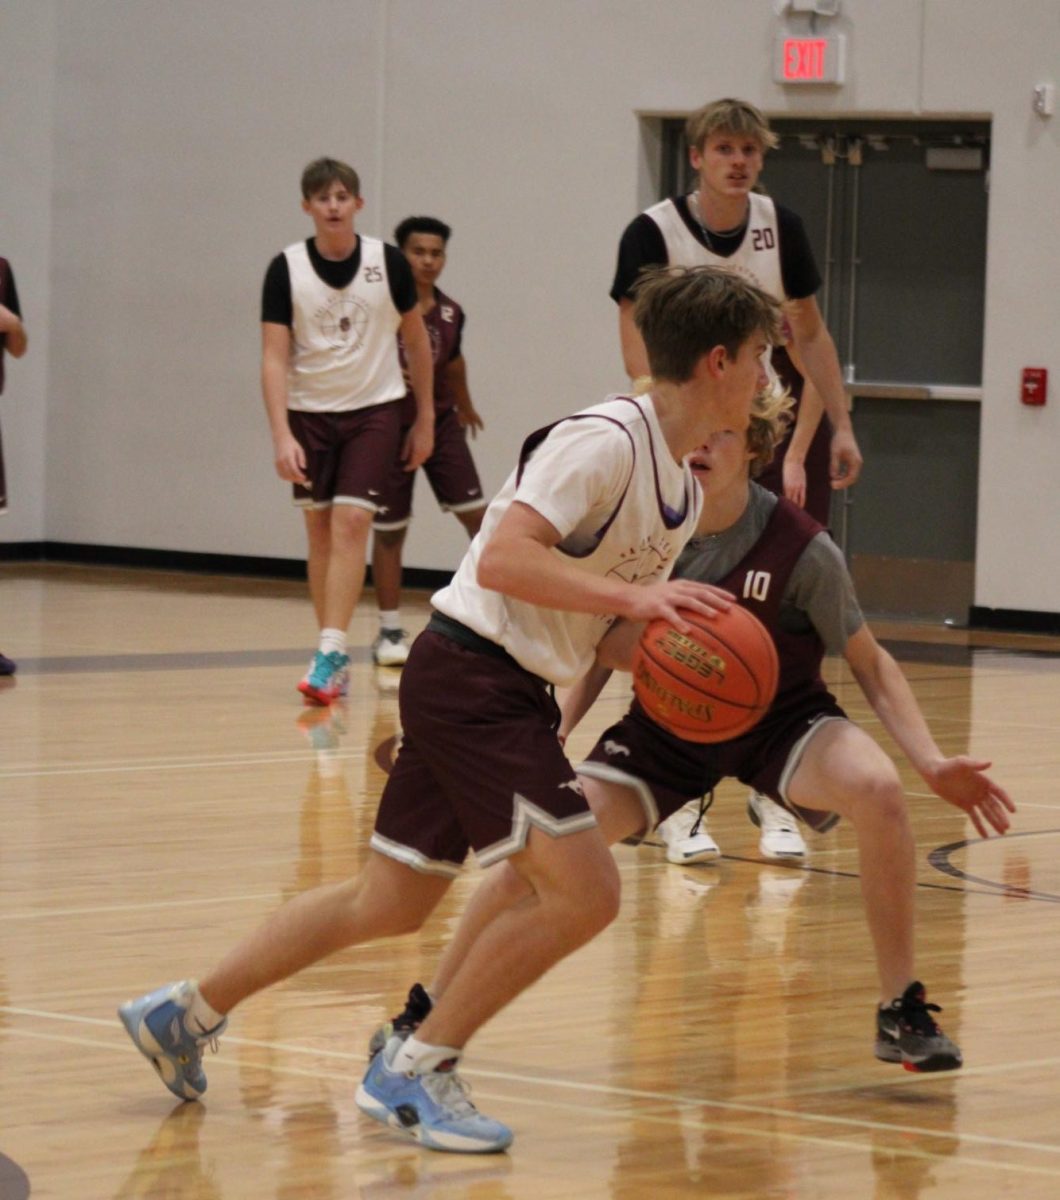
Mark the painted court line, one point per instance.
(681, 1102)
(38, 914)
(683, 1119)
(180, 764)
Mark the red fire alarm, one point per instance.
(1032, 390)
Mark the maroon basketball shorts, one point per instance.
(3, 482)
(348, 454)
(667, 772)
(479, 761)
(450, 471)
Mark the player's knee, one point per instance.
(879, 798)
(508, 886)
(350, 524)
(583, 904)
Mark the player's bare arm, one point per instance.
(518, 561)
(575, 701)
(615, 651)
(959, 780)
(811, 410)
(814, 345)
(419, 444)
(456, 380)
(288, 455)
(11, 325)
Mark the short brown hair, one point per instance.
(684, 312)
(728, 116)
(323, 172)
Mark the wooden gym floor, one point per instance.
(162, 789)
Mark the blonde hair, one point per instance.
(771, 414)
(729, 116)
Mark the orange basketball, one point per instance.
(710, 684)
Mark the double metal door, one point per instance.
(896, 213)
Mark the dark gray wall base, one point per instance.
(1017, 619)
(930, 588)
(182, 560)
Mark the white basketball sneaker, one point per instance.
(686, 837)
(780, 832)
(391, 648)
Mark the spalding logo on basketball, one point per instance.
(710, 684)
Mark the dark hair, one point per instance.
(323, 172)
(411, 225)
(684, 312)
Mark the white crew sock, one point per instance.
(201, 1017)
(417, 1058)
(390, 619)
(332, 640)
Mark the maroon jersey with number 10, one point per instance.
(759, 581)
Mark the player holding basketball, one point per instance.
(450, 469)
(331, 307)
(724, 222)
(586, 529)
(804, 753)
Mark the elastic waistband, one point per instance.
(457, 631)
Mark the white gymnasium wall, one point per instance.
(993, 63)
(180, 130)
(27, 86)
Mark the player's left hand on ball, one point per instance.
(666, 599)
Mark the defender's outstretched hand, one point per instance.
(960, 781)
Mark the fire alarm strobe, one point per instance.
(1033, 386)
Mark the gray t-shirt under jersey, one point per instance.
(820, 592)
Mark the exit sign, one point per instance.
(809, 59)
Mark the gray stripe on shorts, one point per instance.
(464, 506)
(607, 774)
(792, 765)
(413, 858)
(524, 814)
(356, 502)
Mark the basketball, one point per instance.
(710, 684)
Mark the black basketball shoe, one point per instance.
(417, 1007)
(907, 1033)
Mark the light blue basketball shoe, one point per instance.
(434, 1109)
(157, 1024)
